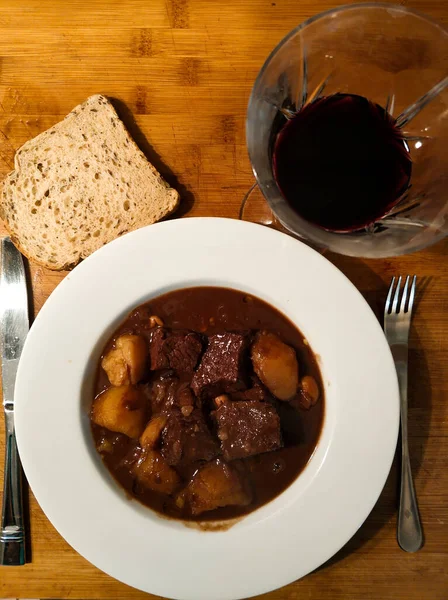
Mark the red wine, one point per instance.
(341, 163)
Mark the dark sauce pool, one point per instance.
(210, 310)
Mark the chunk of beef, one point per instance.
(161, 392)
(176, 350)
(187, 439)
(215, 484)
(257, 392)
(247, 427)
(165, 391)
(184, 350)
(222, 366)
(157, 357)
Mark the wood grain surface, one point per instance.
(181, 72)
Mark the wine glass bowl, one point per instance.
(395, 58)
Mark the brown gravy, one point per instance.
(210, 310)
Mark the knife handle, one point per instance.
(12, 534)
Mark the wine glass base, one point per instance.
(254, 208)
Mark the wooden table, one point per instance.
(184, 70)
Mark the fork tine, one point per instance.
(389, 297)
(404, 296)
(397, 294)
(412, 294)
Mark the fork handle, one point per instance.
(12, 532)
(409, 530)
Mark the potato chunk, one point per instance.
(126, 363)
(116, 368)
(215, 484)
(153, 430)
(120, 409)
(276, 365)
(309, 389)
(153, 472)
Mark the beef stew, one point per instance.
(208, 403)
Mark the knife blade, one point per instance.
(14, 327)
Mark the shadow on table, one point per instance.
(374, 289)
(125, 114)
(27, 518)
(25, 486)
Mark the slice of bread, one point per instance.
(79, 185)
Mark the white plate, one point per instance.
(285, 539)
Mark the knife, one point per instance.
(14, 327)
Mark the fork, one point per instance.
(397, 323)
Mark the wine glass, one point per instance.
(394, 57)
